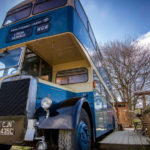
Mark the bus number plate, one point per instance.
(7, 127)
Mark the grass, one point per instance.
(21, 148)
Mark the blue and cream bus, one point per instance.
(54, 92)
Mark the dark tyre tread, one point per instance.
(67, 138)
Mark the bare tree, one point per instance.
(129, 68)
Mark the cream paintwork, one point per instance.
(71, 3)
(79, 87)
(55, 85)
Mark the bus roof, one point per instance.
(21, 4)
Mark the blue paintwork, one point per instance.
(59, 95)
(62, 20)
(83, 136)
(56, 94)
(64, 115)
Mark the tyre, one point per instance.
(78, 139)
(5, 147)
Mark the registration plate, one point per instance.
(7, 127)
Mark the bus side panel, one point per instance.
(103, 116)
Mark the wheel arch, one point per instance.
(88, 110)
(70, 111)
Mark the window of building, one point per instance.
(121, 105)
(72, 76)
(44, 5)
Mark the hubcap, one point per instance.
(83, 136)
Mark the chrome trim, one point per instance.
(31, 101)
(30, 132)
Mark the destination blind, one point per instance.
(26, 30)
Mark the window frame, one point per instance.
(38, 3)
(40, 60)
(86, 25)
(87, 73)
(17, 11)
(92, 36)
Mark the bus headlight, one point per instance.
(46, 103)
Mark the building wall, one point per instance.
(123, 114)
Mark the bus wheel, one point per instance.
(80, 138)
(5, 147)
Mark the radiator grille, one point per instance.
(13, 97)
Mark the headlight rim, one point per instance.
(46, 103)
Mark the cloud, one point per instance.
(144, 40)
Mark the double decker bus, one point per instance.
(54, 92)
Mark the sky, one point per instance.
(110, 19)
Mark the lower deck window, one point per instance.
(72, 76)
(36, 66)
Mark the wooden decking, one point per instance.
(124, 140)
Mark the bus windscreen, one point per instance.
(14, 16)
(44, 5)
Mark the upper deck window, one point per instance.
(81, 13)
(44, 5)
(92, 35)
(18, 14)
(72, 76)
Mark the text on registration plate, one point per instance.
(7, 128)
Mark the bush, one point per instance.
(146, 110)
